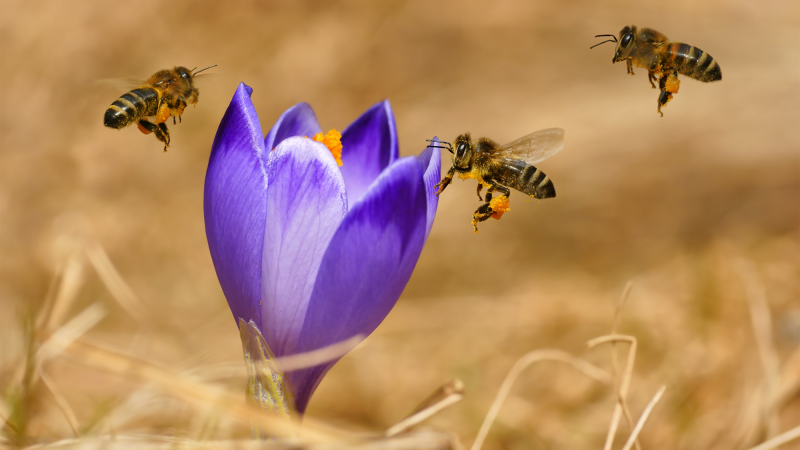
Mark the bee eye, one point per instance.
(460, 150)
(626, 40)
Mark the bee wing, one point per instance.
(534, 147)
(121, 84)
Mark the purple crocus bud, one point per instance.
(310, 252)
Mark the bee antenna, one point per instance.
(441, 142)
(449, 146)
(613, 36)
(449, 149)
(209, 67)
(609, 40)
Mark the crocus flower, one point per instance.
(311, 252)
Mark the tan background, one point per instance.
(672, 203)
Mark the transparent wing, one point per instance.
(534, 147)
(122, 85)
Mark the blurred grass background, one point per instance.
(677, 204)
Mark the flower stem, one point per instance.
(266, 383)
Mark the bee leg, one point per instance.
(144, 126)
(669, 84)
(480, 188)
(163, 136)
(177, 109)
(504, 190)
(445, 181)
(485, 211)
(481, 214)
(149, 127)
(630, 66)
(160, 130)
(496, 187)
(663, 98)
(651, 77)
(163, 112)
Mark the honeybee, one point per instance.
(165, 94)
(663, 59)
(502, 167)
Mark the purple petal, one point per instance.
(369, 145)
(305, 203)
(235, 205)
(365, 268)
(430, 161)
(299, 120)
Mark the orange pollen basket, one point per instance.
(500, 206)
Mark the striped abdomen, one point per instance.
(693, 62)
(524, 177)
(131, 107)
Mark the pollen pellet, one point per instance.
(500, 206)
(673, 84)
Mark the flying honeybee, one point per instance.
(503, 167)
(663, 59)
(165, 94)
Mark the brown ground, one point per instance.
(693, 207)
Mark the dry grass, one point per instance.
(114, 331)
(210, 405)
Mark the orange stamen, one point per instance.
(332, 140)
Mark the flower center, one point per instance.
(332, 140)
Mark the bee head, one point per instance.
(460, 149)
(624, 46)
(184, 73)
(463, 151)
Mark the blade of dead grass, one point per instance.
(615, 369)
(319, 356)
(622, 393)
(142, 402)
(67, 334)
(6, 422)
(790, 384)
(526, 360)
(120, 290)
(643, 419)
(418, 439)
(200, 394)
(779, 440)
(283, 364)
(63, 288)
(61, 295)
(447, 395)
(762, 331)
(62, 403)
(71, 282)
(56, 344)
